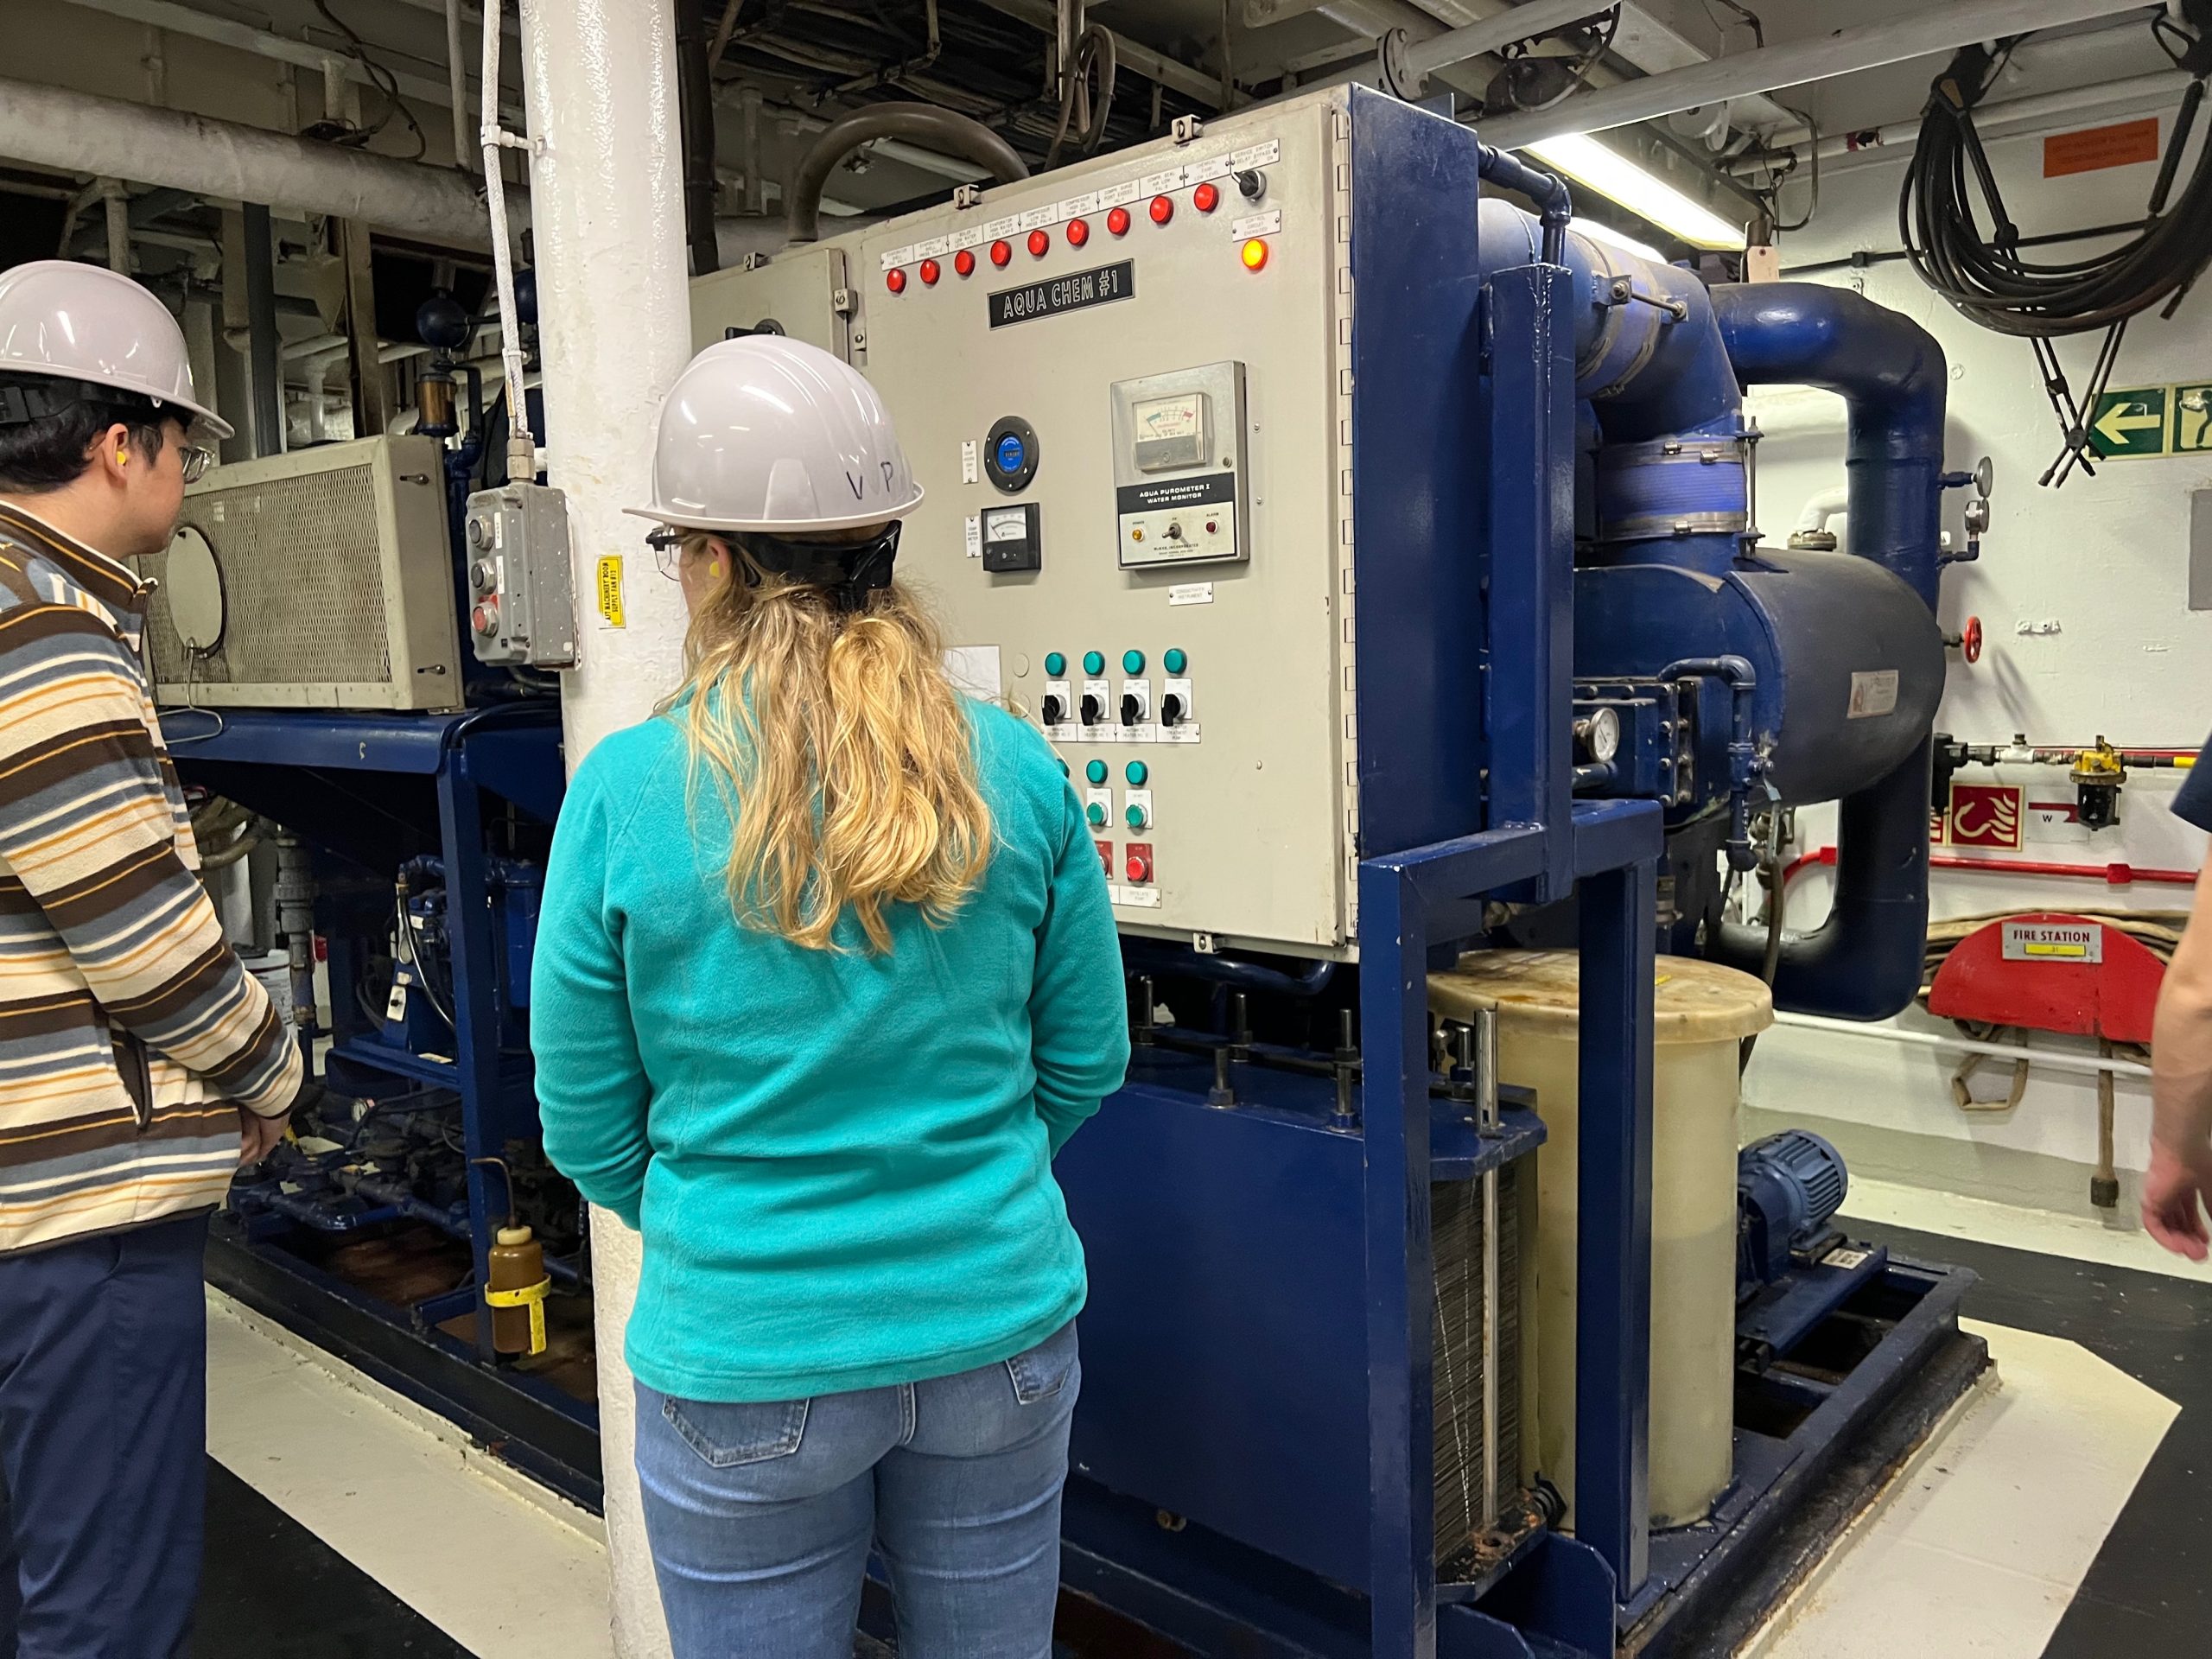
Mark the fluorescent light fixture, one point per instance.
(1613, 238)
(1613, 175)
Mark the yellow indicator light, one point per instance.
(1255, 254)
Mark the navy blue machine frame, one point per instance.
(1258, 1348)
(1463, 769)
(369, 786)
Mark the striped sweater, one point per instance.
(128, 1031)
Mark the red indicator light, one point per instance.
(931, 272)
(965, 262)
(1078, 232)
(1118, 221)
(1038, 242)
(1001, 253)
(896, 281)
(1163, 209)
(1205, 198)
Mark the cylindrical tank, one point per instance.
(1703, 1014)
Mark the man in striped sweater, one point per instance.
(139, 1063)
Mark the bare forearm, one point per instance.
(2180, 1043)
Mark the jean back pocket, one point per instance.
(727, 1434)
(1039, 1373)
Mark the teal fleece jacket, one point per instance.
(841, 1162)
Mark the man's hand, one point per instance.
(2177, 1189)
(259, 1136)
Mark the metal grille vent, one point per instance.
(1469, 1496)
(302, 585)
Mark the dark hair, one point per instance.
(48, 451)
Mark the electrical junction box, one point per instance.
(1165, 387)
(322, 579)
(522, 611)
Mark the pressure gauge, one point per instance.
(1600, 732)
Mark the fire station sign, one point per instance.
(2054, 942)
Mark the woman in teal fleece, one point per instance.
(826, 976)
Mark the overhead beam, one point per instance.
(1937, 29)
(1193, 83)
(245, 37)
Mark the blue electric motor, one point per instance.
(1787, 1187)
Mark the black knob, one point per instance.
(1132, 709)
(1250, 184)
(1093, 711)
(1053, 712)
(1171, 710)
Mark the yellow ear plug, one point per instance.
(123, 457)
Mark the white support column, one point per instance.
(614, 328)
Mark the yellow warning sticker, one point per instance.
(610, 590)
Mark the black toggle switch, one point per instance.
(1131, 709)
(1249, 184)
(1054, 713)
(1171, 710)
(1092, 710)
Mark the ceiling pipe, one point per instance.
(1408, 63)
(803, 197)
(1918, 34)
(457, 86)
(75, 132)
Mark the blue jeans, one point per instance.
(103, 1444)
(761, 1517)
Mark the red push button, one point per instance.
(931, 271)
(1039, 242)
(1163, 209)
(965, 262)
(1118, 221)
(896, 281)
(1105, 857)
(1139, 868)
(1078, 232)
(1205, 198)
(1001, 253)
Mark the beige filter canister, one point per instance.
(1703, 1011)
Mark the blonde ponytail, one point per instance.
(841, 751)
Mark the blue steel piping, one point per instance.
(1661, 357)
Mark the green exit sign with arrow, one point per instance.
(2130, 423)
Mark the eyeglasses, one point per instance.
(667, 544)
(195, 461)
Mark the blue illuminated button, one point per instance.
(1094, 662)
(1133, 662)
(1011, 453)
(1174, 661)
(1096, 772)
(1137, 772)
(1055, 664)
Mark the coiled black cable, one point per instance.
(1984, 275)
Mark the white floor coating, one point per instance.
(504, 1568)
(2119, 1243)
(1990, 1529)
(1979, 1545)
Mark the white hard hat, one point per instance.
(85, 322)
(766, 433)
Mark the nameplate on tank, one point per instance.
(1077, 291)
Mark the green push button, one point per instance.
(1136, 771)
(1094, 662)
(1064, 768)
(1133, 662)
(1174, 661)
(1096, 772)
(1055, 664)
(1136, 815)
(1096, 813)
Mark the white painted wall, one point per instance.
(2101, 564)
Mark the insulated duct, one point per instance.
(1662, 361)
(48, 126)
